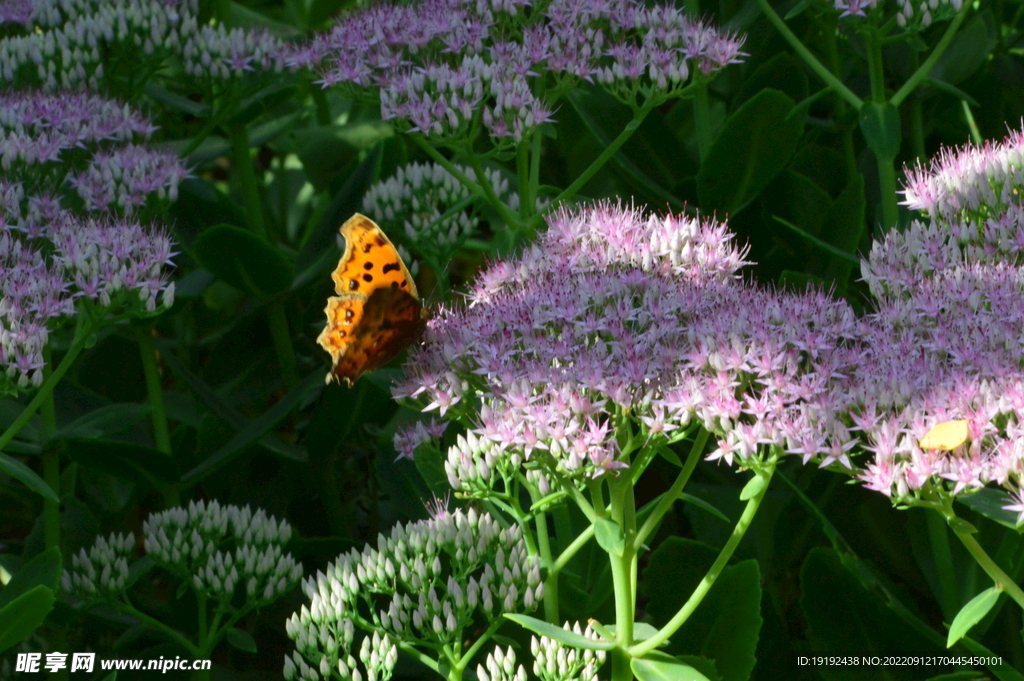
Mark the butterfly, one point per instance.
(377, 312)
(946, 436)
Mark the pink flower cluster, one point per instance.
(613, 312)
(438, 62)
(947, 337)
(40, 128)
(613, 316)
(51, 256)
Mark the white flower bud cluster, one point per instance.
(921, 14)
(425, 583)
(471, 464)
(102, 572)
(555, 661)
(501, 666)
(187, 542)
(67, 47)
(377, 653)
(417, 195)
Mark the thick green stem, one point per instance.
(523, 171)
(673, 493)
(831, 80)
(44, 396)
(965, 533)
(887, 186)
(742, 525)
(551, 580)
(623, 513)
(51, 461)
(282, 338)
(876, 70)
(157, 413)
(702, 120)
(701, 110)
(247, 179)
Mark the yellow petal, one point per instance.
(945, 436)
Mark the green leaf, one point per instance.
(880, 125)
(43, 570)
(255, 430)
(267, 99)
(753, 146)
(700, 503)
(815, 241)
(224, 411)
(176, 101)
(641, 630)
(27, 476)
(656, 666)
(971, 614)
(10, 410)
(989, 502)
(243, 260)
(847, 226)
(106, 420)
(726, 625)
(666, 453)
(558, 633)
(609, 536)
(1003, 671)
(584, 106)
(753, 488)
(844, 614)
(241, 639)
(972, 45)
(23, 615)
(124, 460)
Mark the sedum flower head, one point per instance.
(60, 152)
(615, 316)
(427, 583)
(441, 64)
(91, 143)
(555, 661)
(221, 549)
(971, 183)
(944, 344)
(66, 43)
(102, 572)
(945, 341)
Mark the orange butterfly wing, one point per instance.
(377, 311)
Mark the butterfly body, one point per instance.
(377, 312)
